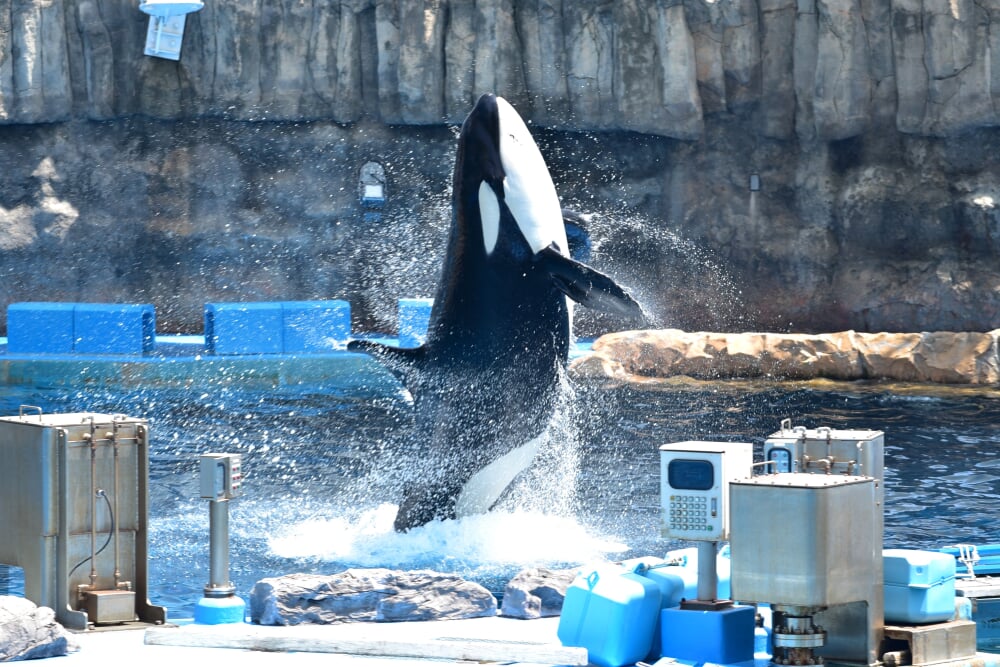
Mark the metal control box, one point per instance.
(813, 543)
(694, 487)
(68, 483)
(220, 476)
(801, 539)
(826, 450)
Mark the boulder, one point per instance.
(375, 594)
(536, 592)
(28, 631)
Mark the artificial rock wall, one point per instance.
(825, 69)
(232, 174)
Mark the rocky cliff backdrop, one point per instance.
(232, 174)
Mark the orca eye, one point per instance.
(489, 215)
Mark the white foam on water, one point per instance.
(499, 538)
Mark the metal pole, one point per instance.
(219, 584)
(93, 505)
(708, 577)
(116, 519)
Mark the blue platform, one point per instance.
(721, 637)
(256, 344)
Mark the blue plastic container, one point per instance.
(414, 316)
(315, 326)
(612, 613)
(112, 328)
(40, 328)
(244, 328)
(919, 586)
(720, 637)
(676, 582)
(687, 570)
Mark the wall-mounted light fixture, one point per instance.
(166, 25)
(371, 185)
(754, 182)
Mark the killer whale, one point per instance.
(486, 382)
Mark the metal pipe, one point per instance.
(218, 526)
(93, 505)
(708, 577)
(117, 519)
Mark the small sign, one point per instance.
(164, 36)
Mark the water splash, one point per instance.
(680, 283)
(480, 543)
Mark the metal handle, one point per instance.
(25, 408)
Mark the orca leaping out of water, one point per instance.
(485, 383)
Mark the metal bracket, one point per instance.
(968, 555)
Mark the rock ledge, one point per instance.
(937, 357)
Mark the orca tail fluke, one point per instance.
(588, 286)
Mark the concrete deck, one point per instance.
(440, 643)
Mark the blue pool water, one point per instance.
(315, 502)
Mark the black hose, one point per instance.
(104, 546)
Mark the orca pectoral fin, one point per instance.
(577, 235)
(399, 361)
(588, 286)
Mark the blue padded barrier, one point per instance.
(40, 328)
(244, 328)
(80, 328)
(315, 326)
(414, 315)
(110, 328)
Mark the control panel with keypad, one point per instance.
(694, 487)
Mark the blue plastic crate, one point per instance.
(315, 326)
(111, 328)
(244, 328)
(40, 328)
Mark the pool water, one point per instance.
(314, 500)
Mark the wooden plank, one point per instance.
(935, 643)
(313, 639)
(980, 587)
